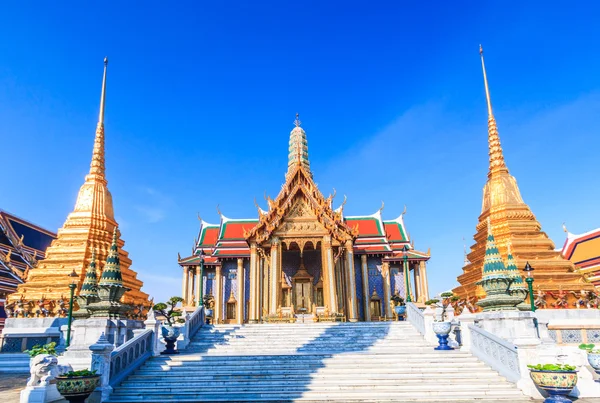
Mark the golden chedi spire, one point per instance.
(88, 227)
(298, 148)
(512, 222)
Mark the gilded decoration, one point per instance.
(513, 223)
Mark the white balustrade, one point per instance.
(499, 354)
(415, 317)
(130, 356)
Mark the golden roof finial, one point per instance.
(497, 163)
(297, 122)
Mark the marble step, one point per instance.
(14, 363)
(428, 353)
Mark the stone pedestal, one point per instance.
(40, 394)
(101, 351)
(514, 326)
(87, 331)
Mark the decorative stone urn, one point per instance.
(442, 330)
(594, 361)
(400, 311)
(170, 335)
(557, 384)
(77, 388)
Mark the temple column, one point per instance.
(275, 277)
(199, 283)
(330, 277)
(387, 297)
(423, 272)
(254, 285)
(184, 285)
(365, 282)
(240, 291)
(190, 295)
(218, 294)
(352, 309)
(266, 287)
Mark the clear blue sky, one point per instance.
(201, 100)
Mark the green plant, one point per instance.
(447, 299)
(81, 372)
(45, 349)
(167, 309)
(552, 367)
(398, 300)
(589, 348)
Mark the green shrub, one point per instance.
(81, 372)
(49, 348)
(552, 367)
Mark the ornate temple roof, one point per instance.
(22, 244)
(584, 251)
(300, 198)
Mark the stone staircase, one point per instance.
(322, 362)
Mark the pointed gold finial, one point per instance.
(496, 156)
(485, 81)
(564, 227)
(103, 94)
(297, 122)
(97, 167)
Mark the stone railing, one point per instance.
(415, 317)
(192, 324)
(130, 356)
(499, 354)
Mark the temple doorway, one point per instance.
(303, 295)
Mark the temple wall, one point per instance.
(229, 285)
(376, 279)
(359, 287)
(246, 287)
(398, 285)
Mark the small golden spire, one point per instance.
(497, 163)
(297, 122)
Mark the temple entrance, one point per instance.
(303, 295)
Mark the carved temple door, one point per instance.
(303, 294)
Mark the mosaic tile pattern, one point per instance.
(552, 334)
(593, 335)
(246, 287)
(571, 336)
(377, 280)
(359, 287)
(12, 345)
(397, 280)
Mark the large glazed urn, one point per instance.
(77, 388)
(594, 361)
(442, 328)
(558, 384)
(170, 335)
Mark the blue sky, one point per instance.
(201, 100)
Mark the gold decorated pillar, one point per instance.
(330, 275)
(365, 282)
(255, 279)
(266, 286)
(352, 309)
(387, 297)
(275, 276)
(218, 294)
(184, 285)
(190, 287)
(423, 271)
(417, 282)
(198, 285)
(240, 291)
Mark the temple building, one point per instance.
(584, 251)
(556, 279)
(22, 246)
(303, 258)
(88, 227)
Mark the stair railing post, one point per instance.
(101, 351)
(152, 323)
(466, 318)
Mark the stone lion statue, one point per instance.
(44, 368)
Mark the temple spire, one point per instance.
(298, 147)
(497, 163)
(97, 167)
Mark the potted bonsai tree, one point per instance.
(593, 356)
(441, 326)
(169, 332)
(399, 306)
(76, 386)
(558, 380)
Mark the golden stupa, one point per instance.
(556, 281)
(89, 226)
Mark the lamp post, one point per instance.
(528, 269)
(201, 287)
(406, 273)
(72, 287)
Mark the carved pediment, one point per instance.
(300, 209)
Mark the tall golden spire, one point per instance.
(497, 163)
(298, 147)
(97, 167)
